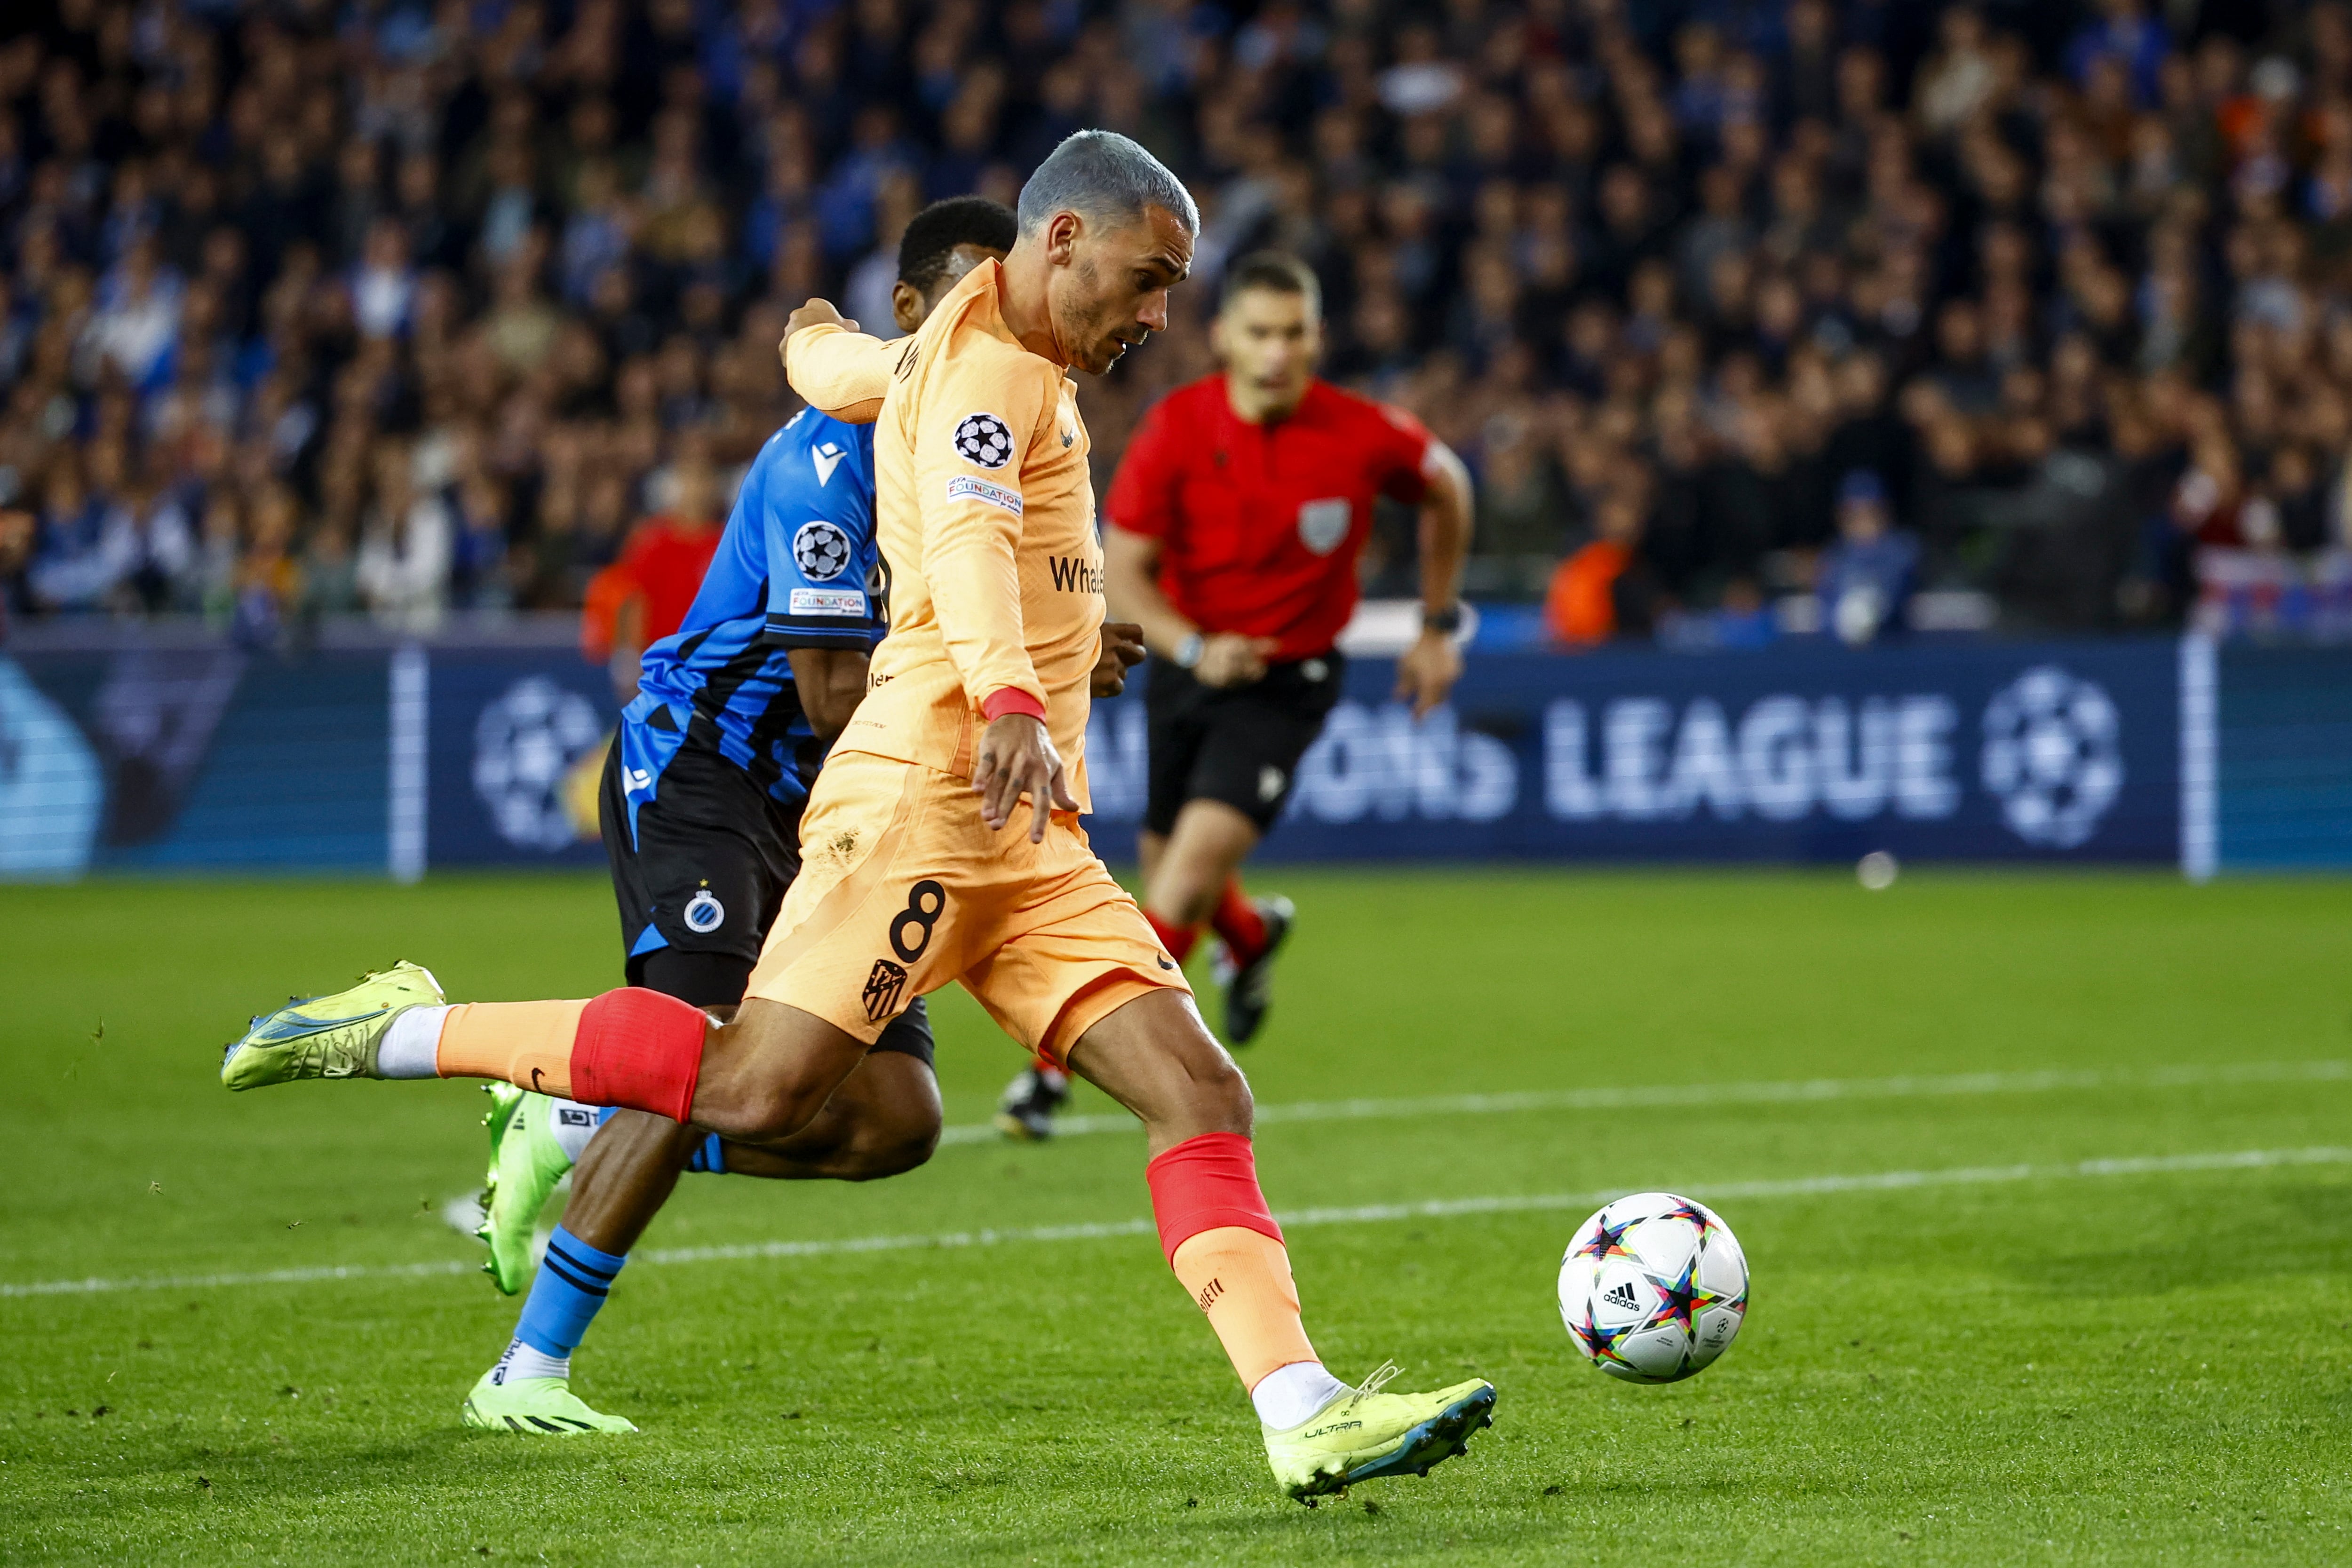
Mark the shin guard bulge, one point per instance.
(1222, 1240)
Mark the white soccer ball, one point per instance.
(1654, 1288)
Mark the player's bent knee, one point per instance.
(885, 1117)
(1156, 1057)
(769, 1073)
(1224, 1094)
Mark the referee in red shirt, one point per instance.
(1233, 529)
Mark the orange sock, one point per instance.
(1222, 1242)
(527, 1044)
(1240, 1279)
(630, 1047)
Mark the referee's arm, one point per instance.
(1426, 673)
(1131, 588)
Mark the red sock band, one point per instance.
(1206, 1183)
(1239, 923)
(1177, 939)
(639, 1048)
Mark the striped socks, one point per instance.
(573, 1280)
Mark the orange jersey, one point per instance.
(986, 513)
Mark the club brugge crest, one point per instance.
(1322, 525)
(705, 913)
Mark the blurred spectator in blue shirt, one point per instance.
(384, 284)
(1868, 575)
(2126, 34)
(136, 323)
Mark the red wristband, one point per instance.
(1011, 699)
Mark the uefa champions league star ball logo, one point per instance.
(982, 438)
(524, 744)
(2053, 755)
(821, 551)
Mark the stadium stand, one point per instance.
(410, 310)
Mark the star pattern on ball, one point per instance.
(1683, 1297)
(1606, 1240)
(1601, 1343)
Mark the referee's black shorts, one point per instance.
(1238, 745)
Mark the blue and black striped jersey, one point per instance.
(797, 568)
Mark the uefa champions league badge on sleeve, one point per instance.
(704, 913)
(982, 438)
(821, 551)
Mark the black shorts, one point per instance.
(1238, 745)
(704, 880)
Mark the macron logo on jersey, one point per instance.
(826, 459)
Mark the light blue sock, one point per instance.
(573, 1280)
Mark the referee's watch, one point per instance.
(1447, 621)
(1188, 653)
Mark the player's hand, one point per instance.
(1017, 755)
(1230, 659)
(816, 313)
(1122, 650)
(1427, 671)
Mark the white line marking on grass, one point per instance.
(1779, 1093)
(1362, 1214)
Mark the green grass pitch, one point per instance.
(2089, 1345)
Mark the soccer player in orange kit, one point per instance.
(909, 880)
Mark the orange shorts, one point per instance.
(903, 888)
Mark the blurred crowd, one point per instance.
(412, 309)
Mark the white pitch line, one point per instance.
(1364, 1214)
(1787, 1092)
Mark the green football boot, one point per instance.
(1364, 1434)
(535, 1407)
(526, 1162)
(327, 1036)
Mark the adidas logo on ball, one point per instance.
(1622, 1296)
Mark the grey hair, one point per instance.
(1103, 175)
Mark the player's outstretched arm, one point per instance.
(1426, 673)
(833, 366)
